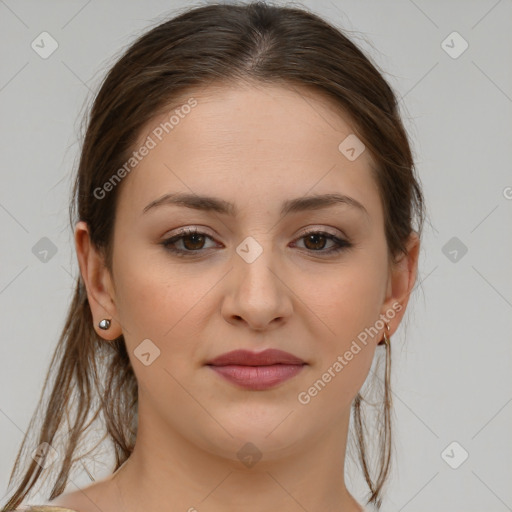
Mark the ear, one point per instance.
(401, 282)
(98, 282)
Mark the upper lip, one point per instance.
(247, 358)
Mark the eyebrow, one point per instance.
(299, 204)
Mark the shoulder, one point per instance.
(97, 496)
(92, 498)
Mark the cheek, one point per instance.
(161, 300)
(160, 304)
(349, 306)
(349, 298)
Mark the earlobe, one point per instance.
(98, 284)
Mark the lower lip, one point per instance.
(258, 378)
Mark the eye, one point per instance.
(193, 242)
(315, 241)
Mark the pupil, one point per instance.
(193, 236)
(313, 237)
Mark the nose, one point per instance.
(257, 294)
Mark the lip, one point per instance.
(247, 358)
(257, 370)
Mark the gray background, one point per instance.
(451, 362)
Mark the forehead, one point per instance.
(253, 145)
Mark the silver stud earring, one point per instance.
(104, 324)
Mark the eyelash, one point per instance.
(341, 244)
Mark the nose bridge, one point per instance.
(254, 265)
(258, 294)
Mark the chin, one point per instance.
(271, 439)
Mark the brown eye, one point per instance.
(193, 241)
(315, 241)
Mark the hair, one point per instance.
(212, 44)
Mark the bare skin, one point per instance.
(255, 147)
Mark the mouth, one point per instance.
(257, 371)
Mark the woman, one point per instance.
(243, 220)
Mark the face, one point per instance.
(307, 280)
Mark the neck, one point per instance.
(167, 468)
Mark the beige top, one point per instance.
(50, 508)
(43, 508)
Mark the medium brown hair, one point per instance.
(202, 46)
